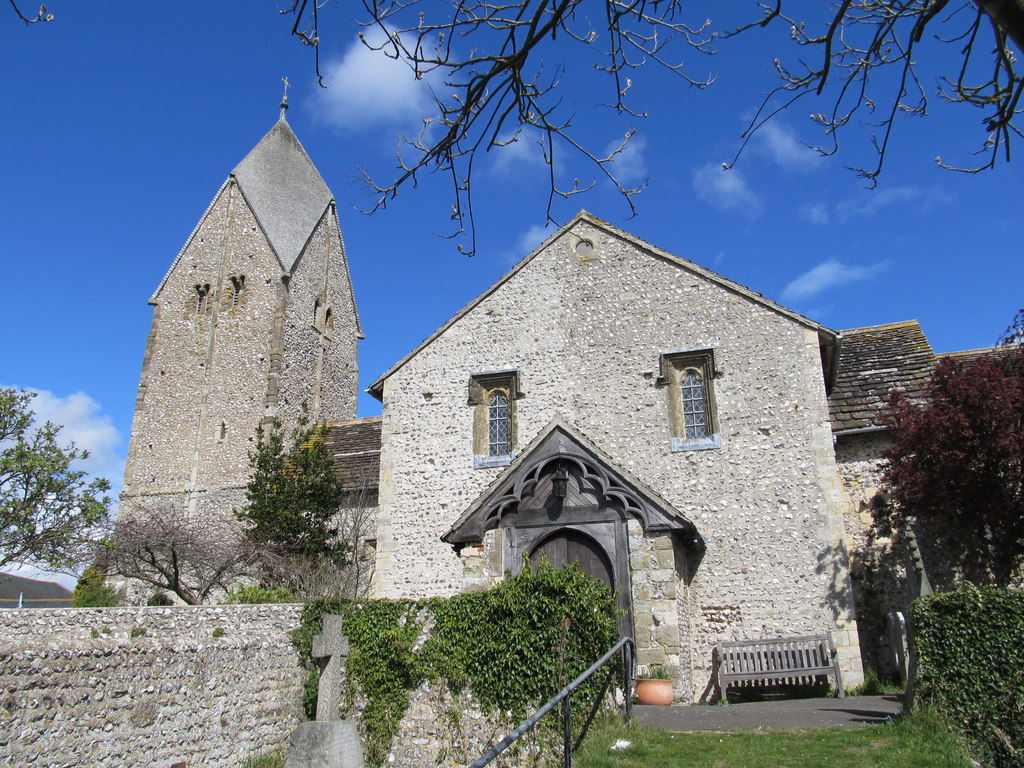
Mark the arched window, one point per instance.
(237, 286)
(329, 323)
(202, 294)
(499, 425)
(689, 378)
(695, 421)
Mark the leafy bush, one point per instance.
(256, 594)
(969, 648)
(159, 599)
(514, 646)
(92, 591)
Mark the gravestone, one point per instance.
(330, 649)
(328, 741)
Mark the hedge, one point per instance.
(969, 652)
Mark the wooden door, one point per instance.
(570, 546)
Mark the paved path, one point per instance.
(793, 713)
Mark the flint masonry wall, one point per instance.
(585, 333)
(80, 689)
(195, 361)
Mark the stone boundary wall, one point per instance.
(115, 687)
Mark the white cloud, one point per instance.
(517, 155)
(526, 242)
(827, 275)
(780, 143)
(816, 213)
(871, 201)
(533, 237)
(629, 166)
(368, 88)
(726, 190)
(84, 424)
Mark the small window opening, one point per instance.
(237, 286)
(202, 293)
(222, 432)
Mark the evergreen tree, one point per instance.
(294, 494)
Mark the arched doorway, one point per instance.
(571, 546)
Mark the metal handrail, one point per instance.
(628, 648)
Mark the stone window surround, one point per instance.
(201, 297)
(323, 318)
(672, 367)
(482, 386)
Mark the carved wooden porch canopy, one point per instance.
(559, 444)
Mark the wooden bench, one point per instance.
(785, 658)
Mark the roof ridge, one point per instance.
(896, 324)
(356, 420)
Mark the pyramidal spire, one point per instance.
(284, 190)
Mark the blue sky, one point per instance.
(121, 121)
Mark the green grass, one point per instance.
(266, 760)
(921, 741)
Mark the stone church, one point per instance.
(707, 452)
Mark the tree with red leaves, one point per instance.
(957, 459)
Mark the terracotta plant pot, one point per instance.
(654, 692)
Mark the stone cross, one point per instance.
(330, 649)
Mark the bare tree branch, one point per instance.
(867, 51)
(158, 545)
(483, 59)
(41, 14)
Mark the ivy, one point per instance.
(969, 648)
(514, 646)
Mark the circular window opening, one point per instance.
(584, 248)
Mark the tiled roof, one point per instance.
(356, 448)
(873, 362)
(968, 356)
(32, 593)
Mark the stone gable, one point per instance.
(586, 328)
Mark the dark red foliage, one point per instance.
(956, 460)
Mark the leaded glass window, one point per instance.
(695, 422)
(689, 377)
(499, 425)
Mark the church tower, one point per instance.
(255, 317)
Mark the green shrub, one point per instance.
(218, 632)
(969, 648)
(92, 591)
(256, 595)
(138, 632)
(159, 599)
